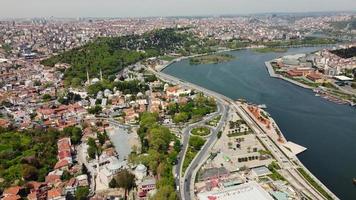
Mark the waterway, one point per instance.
(327, 129)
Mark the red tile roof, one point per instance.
(12, 190)
(54, 193)
(61, 163)
(11, 197)
(64, 154)
(52, 179)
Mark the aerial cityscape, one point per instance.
(177, 103)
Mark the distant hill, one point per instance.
(111, 55)
(349, 25)
(345, 53)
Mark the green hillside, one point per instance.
(113, 54)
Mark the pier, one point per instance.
(273, 74)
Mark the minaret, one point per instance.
(88, 79)
(101, 75)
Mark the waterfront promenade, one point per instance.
(292, 174)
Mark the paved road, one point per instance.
(189, 177)
(185, 140)
(290, 168)
(81, 157)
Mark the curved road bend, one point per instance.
(185, 141)
(189, 178)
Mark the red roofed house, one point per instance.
(13, 193)
(4, 123)
(62, 164)
(64, 154)
(38, 190)
(172, 91)
(53, 179)
(11, 197)
(55, 194)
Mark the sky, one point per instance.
(144, 8)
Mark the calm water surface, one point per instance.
(328, 130)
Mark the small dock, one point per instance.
(274, 75)
(292, 149)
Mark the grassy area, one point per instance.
(167, 58)
(238, 134)
(189, 156)
(195, 144)
(274, 167)
(271, 49)
(215, 121)
(314, 184)
(306, 82)
(201, 131)
(264, 152)
(211, 59)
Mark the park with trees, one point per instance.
(29, 155)
(111, 55)
(157, 154)
(194, 110)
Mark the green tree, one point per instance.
(46, 97)
(95, 110)
(92, 149)
(66, 175)
(29, 172)
(102, 137)
(113, 183)
(82, 193)
(125, 180)
(75, 133)
(196, 142)
(166, 192)
(180, 117)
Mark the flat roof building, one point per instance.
(246, 191)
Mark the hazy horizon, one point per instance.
(164, 8)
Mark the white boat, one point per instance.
(263, 106)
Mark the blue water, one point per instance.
(327, 129)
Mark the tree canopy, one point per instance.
(30, 154)
(111, 55)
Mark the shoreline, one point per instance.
(272, 74)
(164, 66)
(217, 95)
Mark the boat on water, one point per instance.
(263, 106)
(354, 181)
(317, 95)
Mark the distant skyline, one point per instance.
(148, 8)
